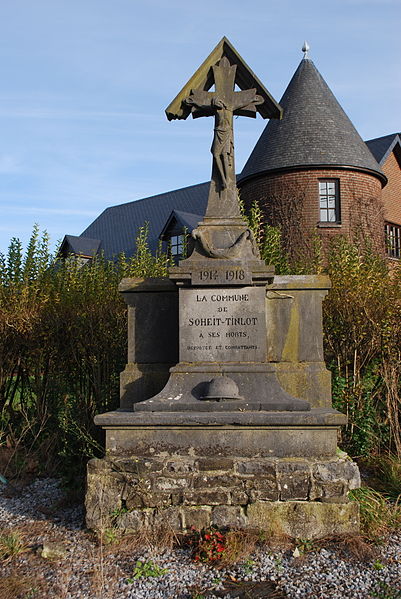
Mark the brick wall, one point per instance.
(291, 200)
(391, 194)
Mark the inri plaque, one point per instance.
(223, 325)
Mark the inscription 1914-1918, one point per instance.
(222, 325)
(221, 276)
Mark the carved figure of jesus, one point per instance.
(222, 104)
(223, 145)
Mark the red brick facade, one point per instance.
(391, 194)
(291, 200)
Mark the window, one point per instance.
(177, 246)
(393, 240)
(329, 200)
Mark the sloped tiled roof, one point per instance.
(184, 220)
(314, 131)
(381, 147)
(81, 246)
(117, 226)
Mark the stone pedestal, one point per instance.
(274, 469)
(271, 470)
(292, 328)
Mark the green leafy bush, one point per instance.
(62, 346)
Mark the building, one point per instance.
(387, 151)
(310, 172)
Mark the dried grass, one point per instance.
(19, 587)
(155, 539)
(356, 546)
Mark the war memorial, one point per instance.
(225, 411)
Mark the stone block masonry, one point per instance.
(130, 492)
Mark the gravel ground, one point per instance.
(90, 571)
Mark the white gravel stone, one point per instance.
(87, 573)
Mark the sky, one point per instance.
(84, 85)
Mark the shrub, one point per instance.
(62, 347)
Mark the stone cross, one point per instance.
(224, 68)
(223, 103)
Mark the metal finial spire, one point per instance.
(305, 49)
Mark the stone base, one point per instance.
(304, 498)
(247, 434)
(278, 471)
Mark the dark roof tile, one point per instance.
(81, 246)
(382, 146)
(117, 226)
(314, 131)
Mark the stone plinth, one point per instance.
(245, 434)
(271, 470)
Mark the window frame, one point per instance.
(177, 242)
(393, 240)
(326, 196)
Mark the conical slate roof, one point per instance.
(314, 131)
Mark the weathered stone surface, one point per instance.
(343, 469)
(124, 478)
(137, 465)
(214, 463)
(177, 497)
(294, 480)
(197, 518)
(210, 481)
(266, 468)
(206, 498)
(168, 518)
(163, 483)
(96, 465)
(146, 499)
(103, 496)
(152, 320)
(318, 418)
(180, 466)
(306, 380)
(332, 480)
(222, 325)
(263, 494)
(227, 516)
(205, 440)
(239, 497)
(262, 488)
(53, 551)
(141, 381)
(301, 519)
(133, 520)
(256, 485)
(294, 318)
(294, 337)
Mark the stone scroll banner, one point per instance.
(223, 325)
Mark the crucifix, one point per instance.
(223, 103)
(223, 232)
